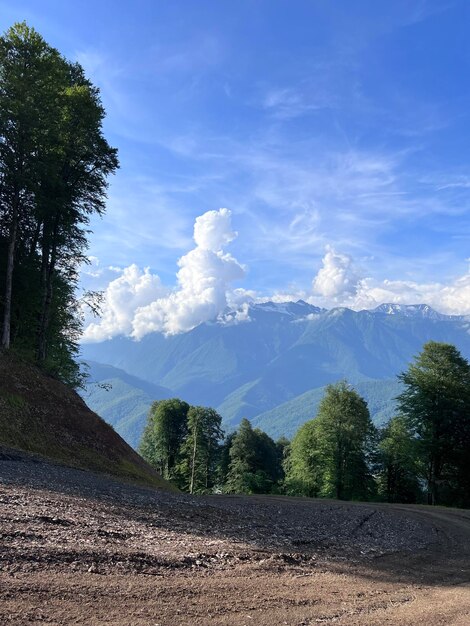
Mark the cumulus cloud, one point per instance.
(236, 298)
(452, 298)
(203, 279)
(123, 296)
(213, 230)
(338, 284)
(337, 278)
(137, 303)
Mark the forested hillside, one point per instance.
(54, 164)
(272, 369)
(420, 454)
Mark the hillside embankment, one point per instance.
(41, 415)
(82, 548)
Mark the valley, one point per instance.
(271, 368)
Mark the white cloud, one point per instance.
(212, 231)
(136, 303)
(134, 288)
(238, 316)
(338, 284)
(337, 278)
(238, 297)
(452, 298)
(203, 279)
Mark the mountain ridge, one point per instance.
(283, 351)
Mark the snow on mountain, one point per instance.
(413, 310)
(299, 309)
(286, 352)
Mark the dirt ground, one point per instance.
(77, 548)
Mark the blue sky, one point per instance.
(326, 127)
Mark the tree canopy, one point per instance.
(436, 407)
(163, 436)
(199, 452)
(54, 164)
(397, 462)
(255, 463)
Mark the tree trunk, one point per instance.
(193, 460)
(48, 268)
(6, 330)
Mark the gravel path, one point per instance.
(82, 548)
(338, 529)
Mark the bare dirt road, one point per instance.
(77, 548)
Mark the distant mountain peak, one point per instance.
(411, 310)
(296, 310)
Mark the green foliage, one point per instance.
(54, 163)
(303, 463)
(199, 450)
(339, 453)
(436, 408)
(330, 455)
(397, 475)
(223, 464)
(163, 436)
(255, 465)
(345, 438)
(183, 443)
(287, 417)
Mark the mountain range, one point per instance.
(271, 367)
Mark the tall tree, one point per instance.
(255, 465)
(166, 429)
(199, 450)
(223, 463)
(242, 459)
(345, 436)
(397, 463)
(436, 407)
(54, 163)
(72, 188)
(304, 472)
(28, 71)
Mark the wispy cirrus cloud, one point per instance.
(347, 134)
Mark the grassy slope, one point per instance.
(41, 415)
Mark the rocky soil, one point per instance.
(82, 548)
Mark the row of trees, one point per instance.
(54, 164)
(422, 454)
(187, 446)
